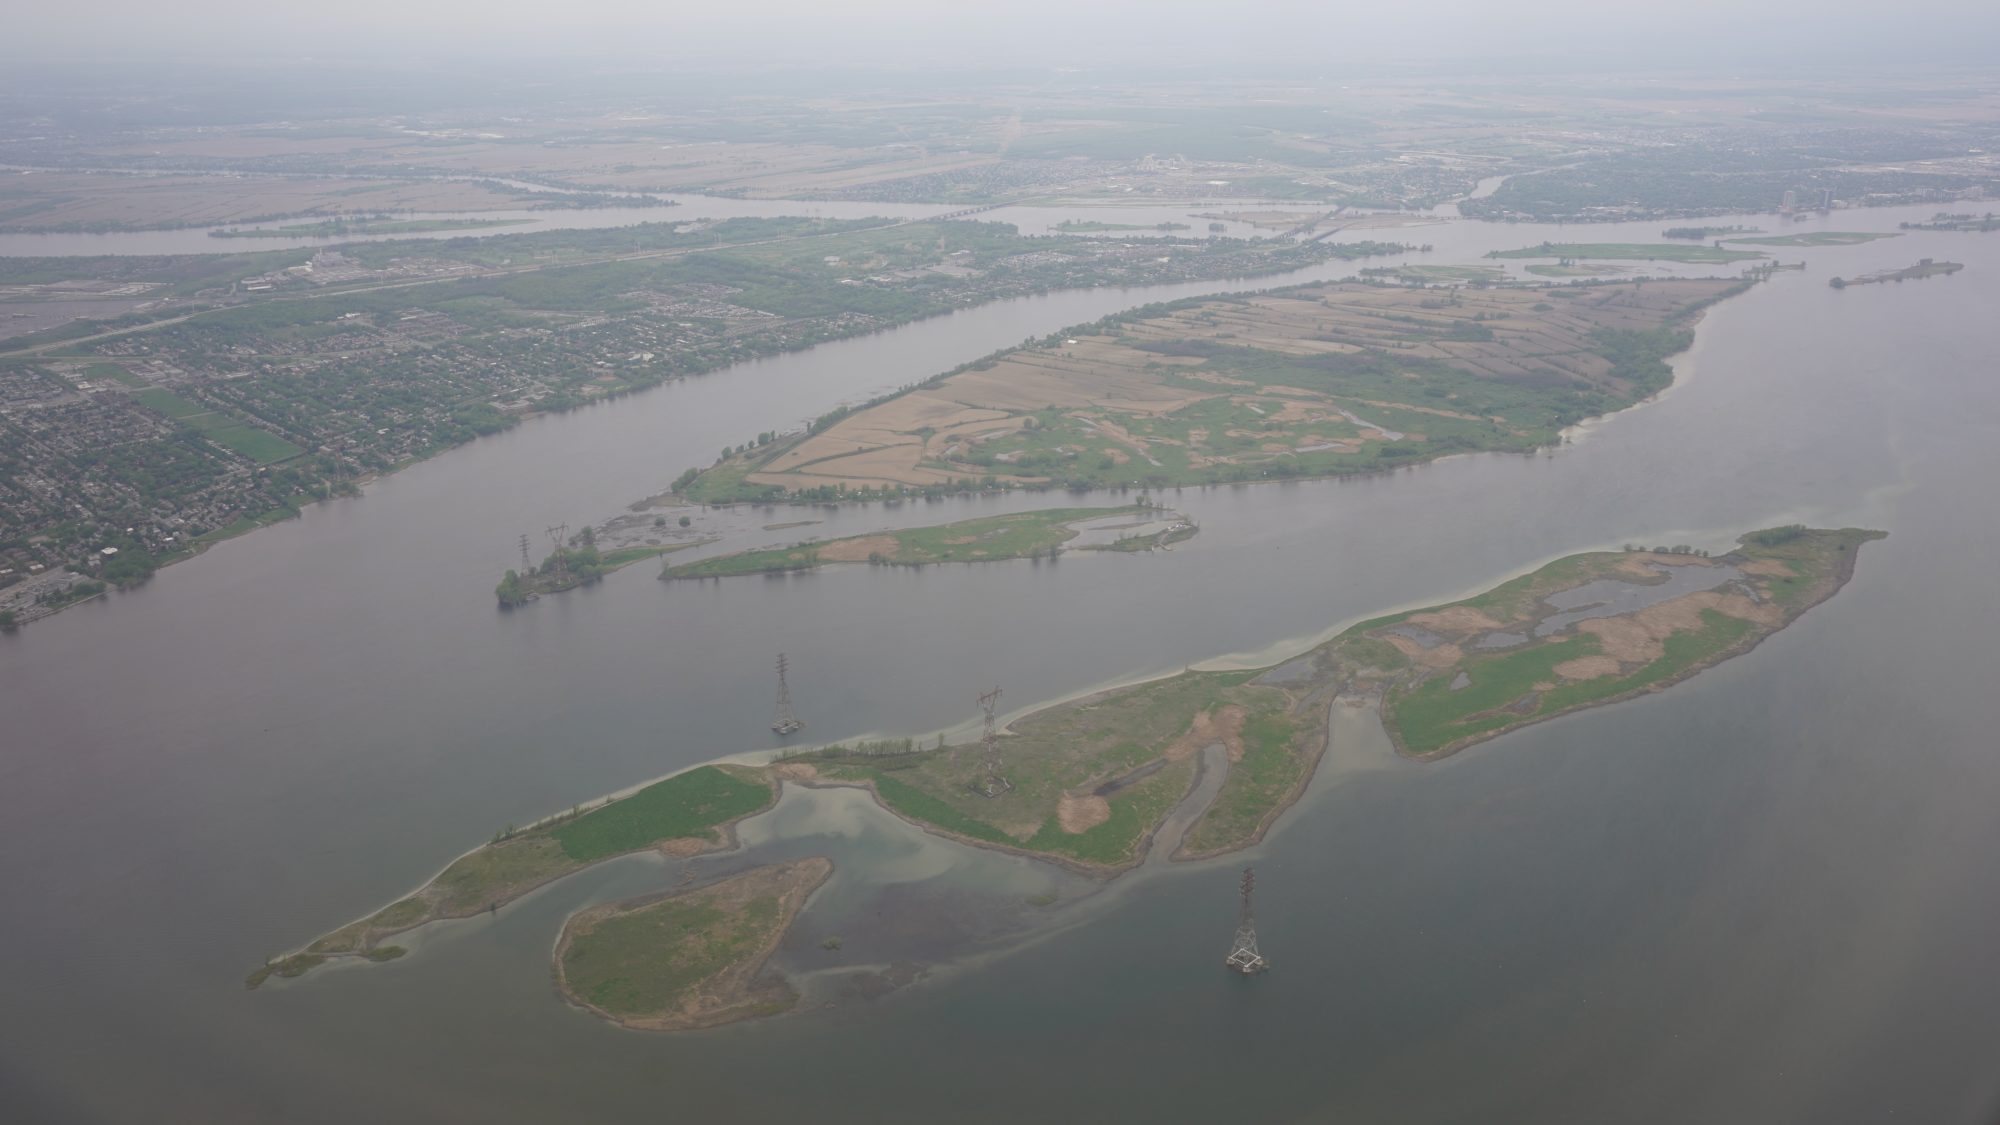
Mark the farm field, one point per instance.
(1319, 380)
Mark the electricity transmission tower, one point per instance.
(1243, 955)
(786, 722)
(559, 535)
(991, 783)
(527, 567)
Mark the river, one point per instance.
(1760, 896)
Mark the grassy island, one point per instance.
(1316, 380)
(578, 563)
(686, 814)
(1813, 238)
(689, 959)
(1087, 783)
(1958, 222)
(1923, 269)
(1020, 535)
(1628, 251)
(1586, 630)
(1439, 275)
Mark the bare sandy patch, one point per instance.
(1077, 815)
(1768, 568)
(1406, 646)
(1223, 724)
(1639, 638)
(1441, 656)
(683, 846)
(858, 549)
(795, 771)
(1458, 620)
(1587, 668)
(1635, 565)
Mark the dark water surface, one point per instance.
(1763, 895)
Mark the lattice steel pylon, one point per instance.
(991, 782)
(1243, 955)
(527, 564)
(559, 535)
(786, 722)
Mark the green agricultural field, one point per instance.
(1629, 251)
(261, 446)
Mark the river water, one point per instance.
(1763, 895)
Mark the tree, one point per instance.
(8, 623)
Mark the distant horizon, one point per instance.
(1540, 35)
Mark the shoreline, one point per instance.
(53, 349)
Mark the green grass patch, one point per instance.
(114, 372)
(1434, 715)
(688, 804)
(921, 806)
(1271, 766)
(647, 960)
(261, 446)
(492, 873)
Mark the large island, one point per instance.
(1312, 381)
(1088, 783)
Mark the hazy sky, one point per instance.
(877, 32)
